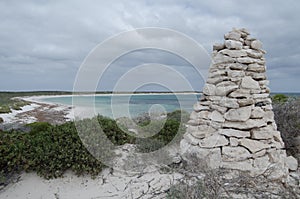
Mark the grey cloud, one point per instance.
(43, 43)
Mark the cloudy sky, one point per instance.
(43, 43)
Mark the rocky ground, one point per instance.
(38, 112)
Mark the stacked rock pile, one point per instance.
(232, 126)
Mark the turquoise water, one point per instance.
(138, 104)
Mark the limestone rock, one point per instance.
(245, 165)
(245, 102)
(247, 60)
(220, 109)
(238, 115)
(191, 139)
(240, 93)
(237, 66)
(217, 116)
(218, 46)
(234, 73)
(253, 145)
(228, 103)
(231, 44)
(233, 141)
(234, 53)
(235, 153)
(201, 131)
(257, 113)
(263, 133)
(256, 68)
(249, 83)
(254, 53)
(256, 44)
(233, 35)
(234, 133)
(249, 124)
(209, 89)
(291, 163)
(220, 59)
(213, 141)
(224, 90)
(199, 107)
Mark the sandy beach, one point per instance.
(149, 183)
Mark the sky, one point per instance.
(44, 43)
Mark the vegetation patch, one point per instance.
(51, 150)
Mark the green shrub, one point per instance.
(161, 133)
(287, 117)
(179, 115)
(5, 109)
(1, 120)
(38, 127)
(49, 153)
(279, 98)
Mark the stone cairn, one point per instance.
(232, 125)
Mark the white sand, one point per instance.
(106, 185)
(11, 117)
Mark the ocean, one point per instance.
(123, 105)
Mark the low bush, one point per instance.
(51, 150)
(287, 117)
(5, 109)
(279, 98)
(1, 120)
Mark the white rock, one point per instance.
(256, 44)
(218, 46)
(231, 44)
(213, 141)
(257, 113)
(209, 89)
(199, 107)
(245, 31)
(245, 165)
(245, 102)
(261, 164)
(234, 133)
(216, 73)
(202, 131)
(291, 163)
(220, 109)
(219, 59)
(196, 122)
(228, 102)
(237, 66)
(259, 153)
(238, 115)
(190, 139)
(217, 116)
(224, 90)
(249, 124)
(269, 116)
(254, 53)
(249, 83)
(261, 95)
(256, 68)
(235, 73)
(247, 60)
(262, 133)
(234, 53)
(216, 80)
(233, 141)
(240, 93)
(235, 153)
(233, 35)
(253, 145)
